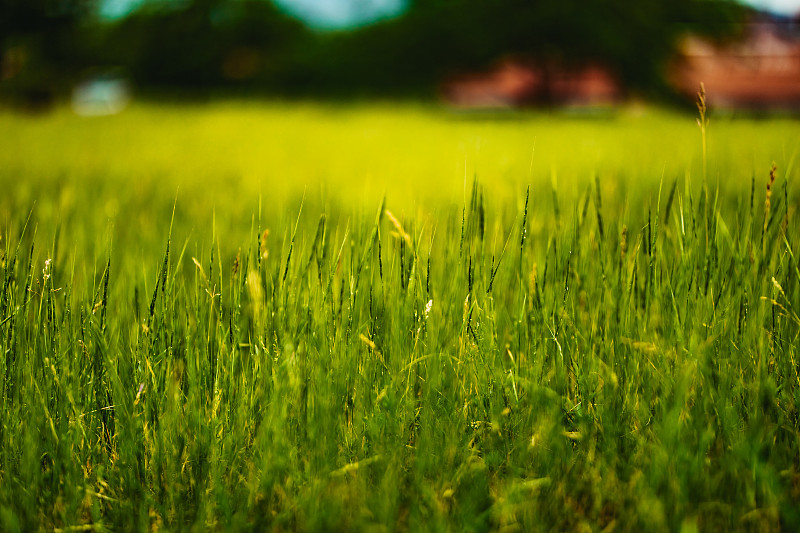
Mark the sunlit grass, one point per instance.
(366, 151)
(251, 316)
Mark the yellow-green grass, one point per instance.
(225, 158)
(552, 323)
(413, 154)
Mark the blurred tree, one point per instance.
(438, 37)
(252, 44)
(39, 44)
(205, 43)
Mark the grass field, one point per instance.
(256, 316)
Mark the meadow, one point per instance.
(266, 316)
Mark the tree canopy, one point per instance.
(635, 39)
(200, 44)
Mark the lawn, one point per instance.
(246, 316)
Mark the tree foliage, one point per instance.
(40, 42)
(205, 43)
(437, 37)
(197, 44)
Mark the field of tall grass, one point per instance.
(251, 316)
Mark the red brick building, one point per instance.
(760, 70)
(512, 83)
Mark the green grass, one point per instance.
(263, 317)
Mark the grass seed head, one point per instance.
(264, 250)
(46, 270)
(399, 227)
(367, 341)
(768, 196)
(702, 122)
(237, 262)
(702, 107)
(200, 268)
(623, 242)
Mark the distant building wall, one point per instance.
(514, 83)
(761, 70)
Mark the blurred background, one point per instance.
(98, 54)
